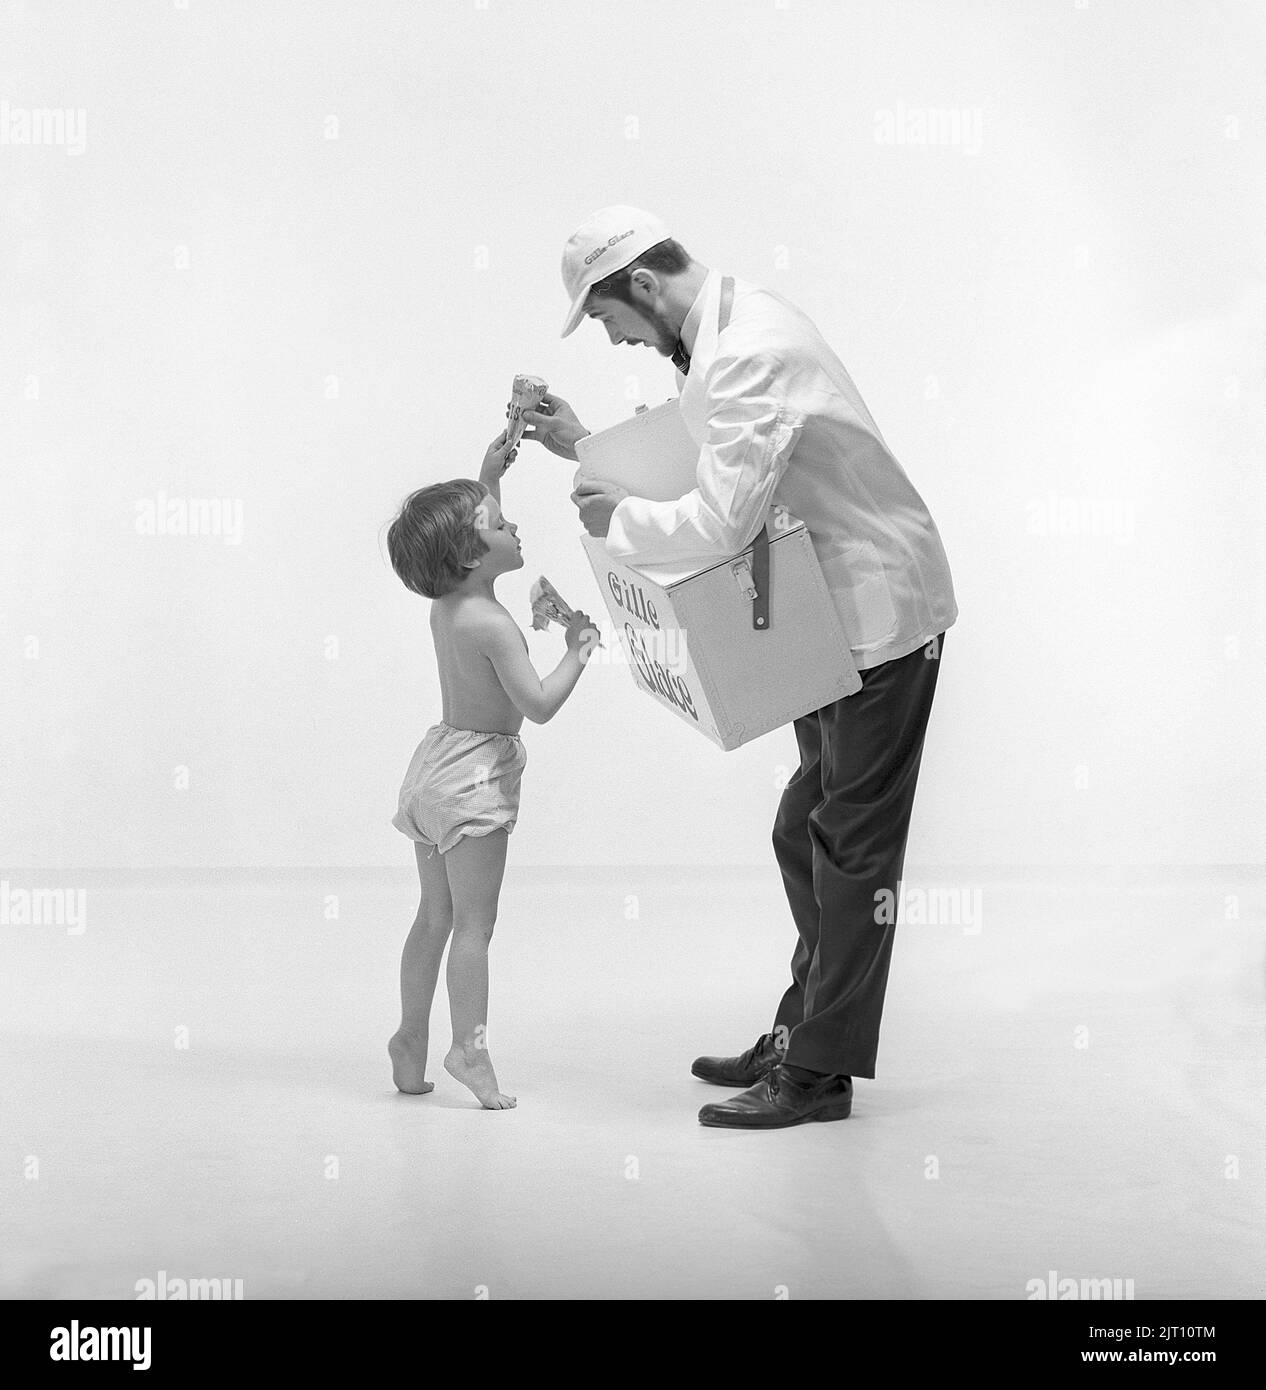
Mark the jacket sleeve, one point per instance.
(751, 433)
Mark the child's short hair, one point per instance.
(434, 536)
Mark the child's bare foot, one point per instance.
(408, 1064)
(472, 1066)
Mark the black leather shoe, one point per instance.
(742, 1070)
(777, 1101)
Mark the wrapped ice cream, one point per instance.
(548, 605)
(525, 394)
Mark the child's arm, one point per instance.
(496, 461)
(538, 700)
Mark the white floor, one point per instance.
(1076, 1086)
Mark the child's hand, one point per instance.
(582, 635)
(498, 458)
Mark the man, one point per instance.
(778, 420)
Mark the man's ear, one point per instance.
(647, 282)
(470, 564)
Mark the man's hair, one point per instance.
(668, 257)
(434, 536)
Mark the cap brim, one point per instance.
(575, 313)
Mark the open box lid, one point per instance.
(651, 454)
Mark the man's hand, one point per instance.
(595, 501)
(554, 424)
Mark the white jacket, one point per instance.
(779, 421)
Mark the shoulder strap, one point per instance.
(760, 546)
(760, 580)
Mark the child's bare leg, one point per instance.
(419, 970)
(476, 865)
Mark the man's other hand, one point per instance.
(595, 501)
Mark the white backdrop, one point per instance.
(290, 256)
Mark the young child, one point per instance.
(460, 797)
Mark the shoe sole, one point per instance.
(828, 1112)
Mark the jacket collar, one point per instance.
(699, 327)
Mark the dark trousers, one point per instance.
(840, 840)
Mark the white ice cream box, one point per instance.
(735, 647)
(693, 645)
(733, 651)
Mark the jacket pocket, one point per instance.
(857, 582)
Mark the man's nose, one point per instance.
(614, 334)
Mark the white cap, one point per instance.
(606, 243)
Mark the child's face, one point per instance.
(500, 536)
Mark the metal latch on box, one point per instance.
(753, 579)
(743, 573)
